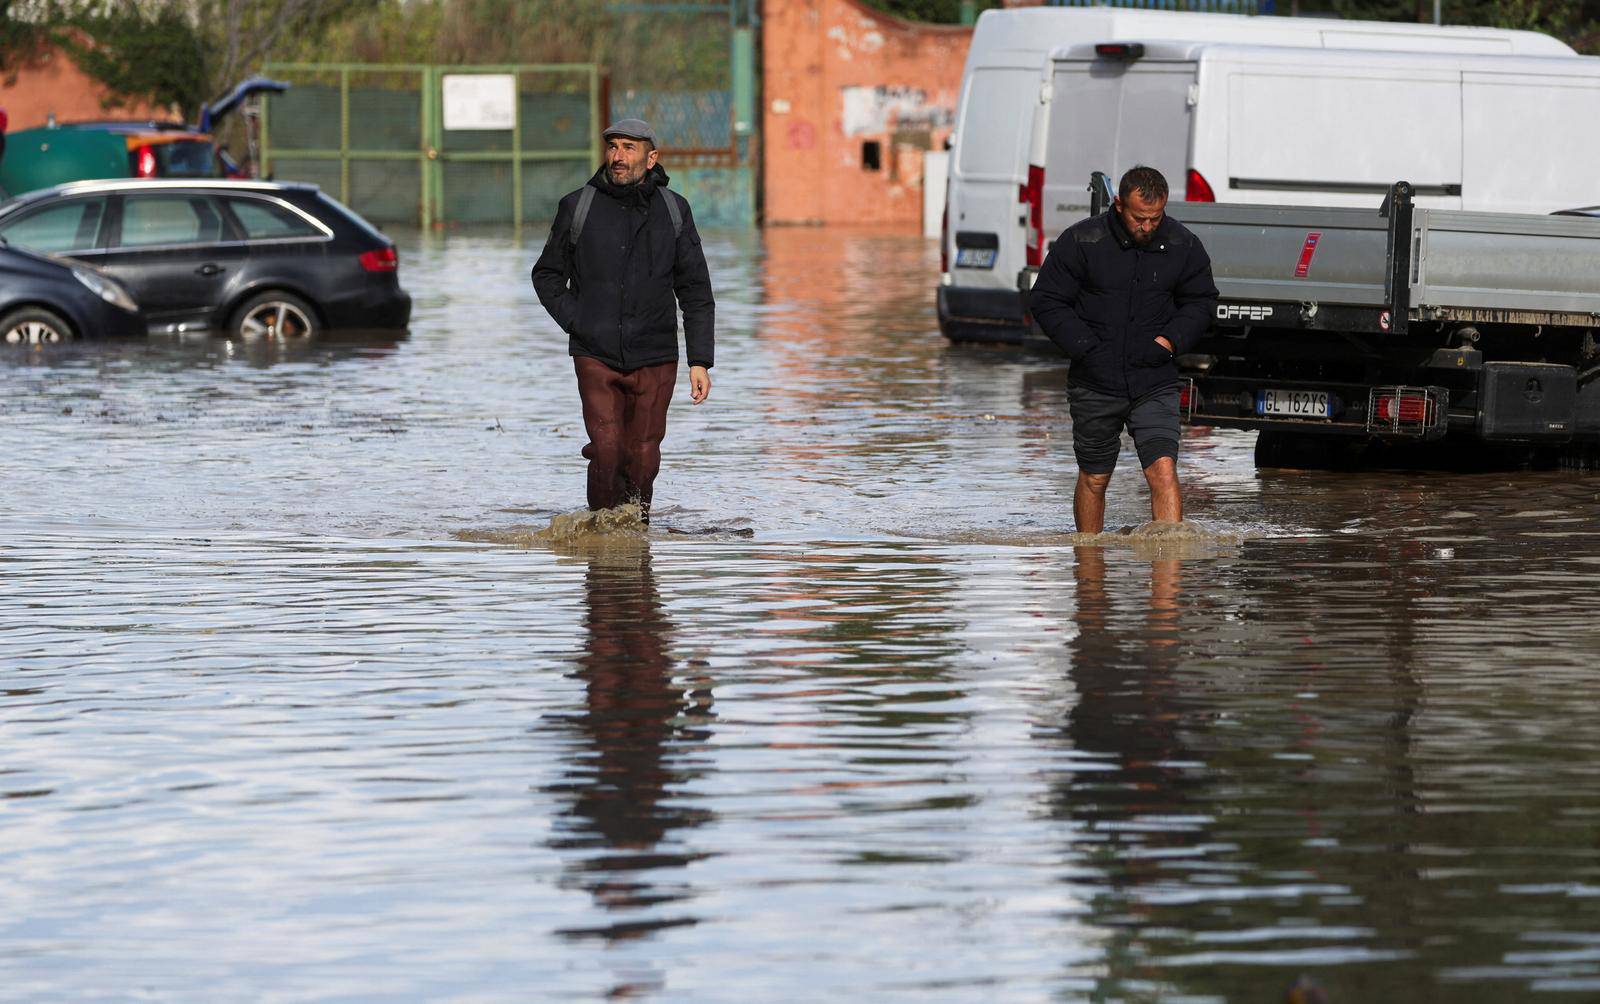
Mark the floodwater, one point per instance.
(297, 703)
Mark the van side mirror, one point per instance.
(1100, 193)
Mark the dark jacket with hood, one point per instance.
(617, 294)
(1103, 299)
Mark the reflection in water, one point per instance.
(1140, 804)
(1257, 817)
(1347, 731)
(198, 350)
(639, 723)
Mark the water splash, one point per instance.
(624, 522)
(1152, 537)
(1161, 538)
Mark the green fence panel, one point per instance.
(721, 197)
(543, 185)
(374, 137)
(324, 173)
(554, 121)
(386, 119)
(386, 191)
(306, 116)
(478, 192)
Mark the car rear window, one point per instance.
(263, 220)
(73, 225)
(355, 219)
(186, 158)
(149, 220)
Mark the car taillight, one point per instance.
(381, 260)
(1196, 188)
(1033, 194)
(144, 160)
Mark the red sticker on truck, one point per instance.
(1306, 252)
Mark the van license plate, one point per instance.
(1293, 403)
(975, 257)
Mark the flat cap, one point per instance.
(631, 128)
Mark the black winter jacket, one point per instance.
(628, 277)
(1103, 299)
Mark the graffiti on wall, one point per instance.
(869, 111)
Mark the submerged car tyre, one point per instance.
(34, 325)
(275, 315)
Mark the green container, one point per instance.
(39, 158)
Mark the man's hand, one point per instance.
(699, 383)
(1161, 340)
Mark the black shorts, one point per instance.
(1098, 419)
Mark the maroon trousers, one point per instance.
(625, 414)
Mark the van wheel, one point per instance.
(274, 315)
(34, 325)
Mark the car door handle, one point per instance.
(209, 269)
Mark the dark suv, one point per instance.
(246, 257)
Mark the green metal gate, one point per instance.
(423, 144)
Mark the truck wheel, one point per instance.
(274, 314)
(1298, 451)
(1270, 449)
(33, 325)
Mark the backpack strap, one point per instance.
(586, 199)
(575, 230)
(673, 210)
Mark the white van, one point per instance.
(1010, 86)
(1264, 124)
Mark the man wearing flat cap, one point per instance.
(623, 257)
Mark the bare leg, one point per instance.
(1089, 502)
(1166, 498)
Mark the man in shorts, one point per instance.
(1124, 294)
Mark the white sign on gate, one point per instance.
(480, 101)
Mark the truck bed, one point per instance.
(1399, 323)
(1418, 264)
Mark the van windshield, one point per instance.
(993, 121)
(1112, 117)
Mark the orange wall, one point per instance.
(837, 75)
(54, 84)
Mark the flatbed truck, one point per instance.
(1342, 332)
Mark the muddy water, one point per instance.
(294, 704)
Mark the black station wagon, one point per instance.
(245, 257)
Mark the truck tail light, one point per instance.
(1033, 196)
(1196, 188)
(144, 162)
(1406, 409)
(381, 260)
(1188, 399)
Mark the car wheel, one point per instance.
(275, 315)
(33, 325)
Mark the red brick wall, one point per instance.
(54, 84)
(838, 76)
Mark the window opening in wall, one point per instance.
(872, 155)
